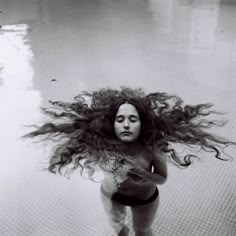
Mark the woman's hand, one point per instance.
(137, 171)
(134, 176)
(134, 170)
(122, 172)
(155, 176)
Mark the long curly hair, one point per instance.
(85, 136)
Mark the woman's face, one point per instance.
(127, 123)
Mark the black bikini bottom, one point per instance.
(130, 201)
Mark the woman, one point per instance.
(128, 135)
(134, 184)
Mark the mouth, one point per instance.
(126, 133)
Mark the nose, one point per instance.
(126, 124)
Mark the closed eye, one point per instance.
(121, 118)
(133, 118)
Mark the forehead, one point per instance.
(127, 109)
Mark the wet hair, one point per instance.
(85, 136)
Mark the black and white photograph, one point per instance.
(118, 117)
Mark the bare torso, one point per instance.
(128, 185)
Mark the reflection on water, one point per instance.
(204, 32)
(17, 73)
(108, 43)
(188, 25)
(203, 28)
(17, 99)
(15, 58)
(18, 105)
(161, 12)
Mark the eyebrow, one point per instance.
(128, 115)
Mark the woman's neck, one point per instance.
(133, 147)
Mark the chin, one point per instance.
(127, 140)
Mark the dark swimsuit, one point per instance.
(130, 201)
